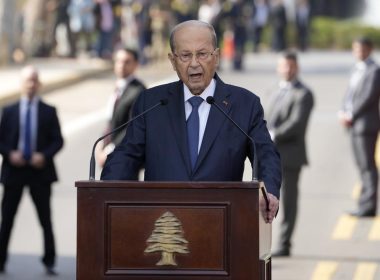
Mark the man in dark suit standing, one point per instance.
(59, 7)
(302, 23)
(30, 136)
(360, 114)
(288, 116)
(188, 139)
(127, 89)
(279, 24)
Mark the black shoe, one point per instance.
(285, 252)
(50, 271)
(360, 213)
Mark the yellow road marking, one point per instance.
(325, 270)
(344, 228)
(356, 191)
(374, 234)
(365, 271)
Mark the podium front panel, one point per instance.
(199, 231)
(163, 231)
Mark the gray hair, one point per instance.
(194, 23)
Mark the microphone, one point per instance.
(92, 161)
(211, 100)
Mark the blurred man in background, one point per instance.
(278, 21)
(82, 23)
(288, 116)
(30, 136)
(127, 89)
(302, 24)
(59, 7)
(260, 19)
(105, 26)
(360, 115)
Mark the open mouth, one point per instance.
(195, 76)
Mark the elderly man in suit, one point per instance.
(30, 136)
(360, 115)
(288, 115)
(189, 140)
(127, 89)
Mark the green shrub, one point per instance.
(327, 33)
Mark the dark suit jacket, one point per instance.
(289, 120)
(123, 110)
(278, 16)
(158, 141)
(366, 100)
(49, 142)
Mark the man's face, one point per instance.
(125, 64)
(360, 51)
(29, 83)
(287, 69)
(194, 42)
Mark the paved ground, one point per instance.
(327, 245)
(55, 73)
(80, 90)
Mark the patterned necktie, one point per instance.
(27, 152)
(193, 129)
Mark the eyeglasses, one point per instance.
(199, 56)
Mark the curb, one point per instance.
(54, 83)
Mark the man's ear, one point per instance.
(217, 56)
(172, 61)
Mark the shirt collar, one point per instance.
(209, 91)
(124, 82)
(283, 84)
(24, 100)
(362, 65)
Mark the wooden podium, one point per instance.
(171, 230)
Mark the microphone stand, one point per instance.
(211, 100)
(92, 160)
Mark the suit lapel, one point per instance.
(214, 121)
(362, 82)
(128, 96)
(176, 110)
(287, 101)
(280, 108)
(16, 119)
(273, 112)
(41, 113)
